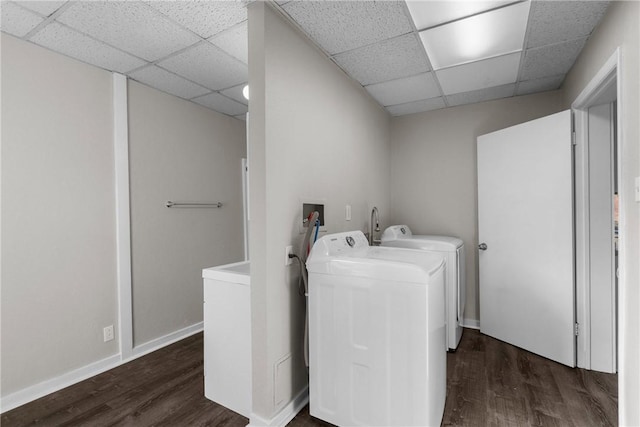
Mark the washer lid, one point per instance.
(395, 236)
(348, 254)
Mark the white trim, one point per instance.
(582, 250)
(123, 219)
(610, 71)
(285, 415)
(598, 82)
(245, 206)
(44, 388)
(158, 343)
(471, 323)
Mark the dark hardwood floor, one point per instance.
(490, 383)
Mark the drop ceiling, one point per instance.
(410, 56)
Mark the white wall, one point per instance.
(58, 215)
(434, 186)
(619, 28)
(179, 151)
(314, 135)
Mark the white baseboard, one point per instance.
(471, 323)
(39, 390)
(287, 413)
(160, 342)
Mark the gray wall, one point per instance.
(619, 28)
(314, 134)
(59, 286)
(58, 215)
(179, 151)
(434, 173)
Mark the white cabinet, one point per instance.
(227, 336)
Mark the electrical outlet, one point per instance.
(288, 250)
(108, 333)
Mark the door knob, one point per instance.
(482, 246)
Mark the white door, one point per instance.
(525, 219)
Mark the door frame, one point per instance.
(608, 75)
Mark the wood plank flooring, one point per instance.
(490, 383)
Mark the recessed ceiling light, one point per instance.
(426, 14)
(245, 92)
(489, 34)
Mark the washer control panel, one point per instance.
(340, 243)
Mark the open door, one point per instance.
(525, 221)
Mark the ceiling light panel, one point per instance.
(69, 42)
(387, 60)
(479, 37)
(133, 27)
(422, 86)
(168, 82)
(338, 26)
(208, 66)
(204, 18)
(426, 14)
(559, 21)
(478, 75)
(234, 41)
(416, 107)
(18, 21)
(222, 104)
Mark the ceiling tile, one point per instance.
(220, 103)
(207, 65)
(422, 86)
(539, 85)
(481, 95)
(167, 82)
(241, 117)
(44, 8)
(551, 60)
(427, 14)
(69, 42)
(130, 26)
(236, 93)
(479, 37)
(390, 59)
(338, 26)
(559, 21)
(416, 107)
(480, 75)
(17, 21)
(234, 41)
(204, 18)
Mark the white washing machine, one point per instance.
(377, 349)
(452, 248)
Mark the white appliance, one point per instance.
(377, 350)
(452, 249)
(227, 336)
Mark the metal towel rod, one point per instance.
(171, 204)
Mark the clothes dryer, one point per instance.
(452, 248)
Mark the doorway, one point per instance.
(597, 224)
